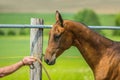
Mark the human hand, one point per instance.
(28, 60)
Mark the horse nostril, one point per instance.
(47, 61)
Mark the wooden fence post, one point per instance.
(36, 48)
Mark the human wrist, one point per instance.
(23, 63)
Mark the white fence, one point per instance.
(49, 26)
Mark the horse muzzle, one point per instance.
(50, 62)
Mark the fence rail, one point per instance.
(105, 27)
(24, 26)
(49, 26)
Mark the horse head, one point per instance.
(60, 39)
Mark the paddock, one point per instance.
(36, 41)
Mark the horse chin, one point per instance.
(52, 62)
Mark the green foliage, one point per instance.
(49, 18)
(11, 32)
(116, 33)
(24, 31)
(2, 32)
(87, 16)
(117, 23)
(107, 19)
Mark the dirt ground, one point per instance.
(50, 6)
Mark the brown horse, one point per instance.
(101, 54)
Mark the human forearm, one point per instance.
(10, 69)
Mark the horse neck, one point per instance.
(90, 44)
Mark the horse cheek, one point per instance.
(67, 43)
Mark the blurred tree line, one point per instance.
(13, 31)
(89, 17)
(117, 23)
(86, 16)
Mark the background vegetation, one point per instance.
(117, 23)
(14, 45)
(24, 18)
(88, 17)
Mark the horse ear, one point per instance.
(59, 18)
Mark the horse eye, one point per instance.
(56, 37)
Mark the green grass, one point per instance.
(49, 18)
(68, 66)
(24, 18)
(70, 69)
(17, 18)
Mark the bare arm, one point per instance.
(12, 68)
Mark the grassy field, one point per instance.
(24, 18)
(69, 66)
(49, 18)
